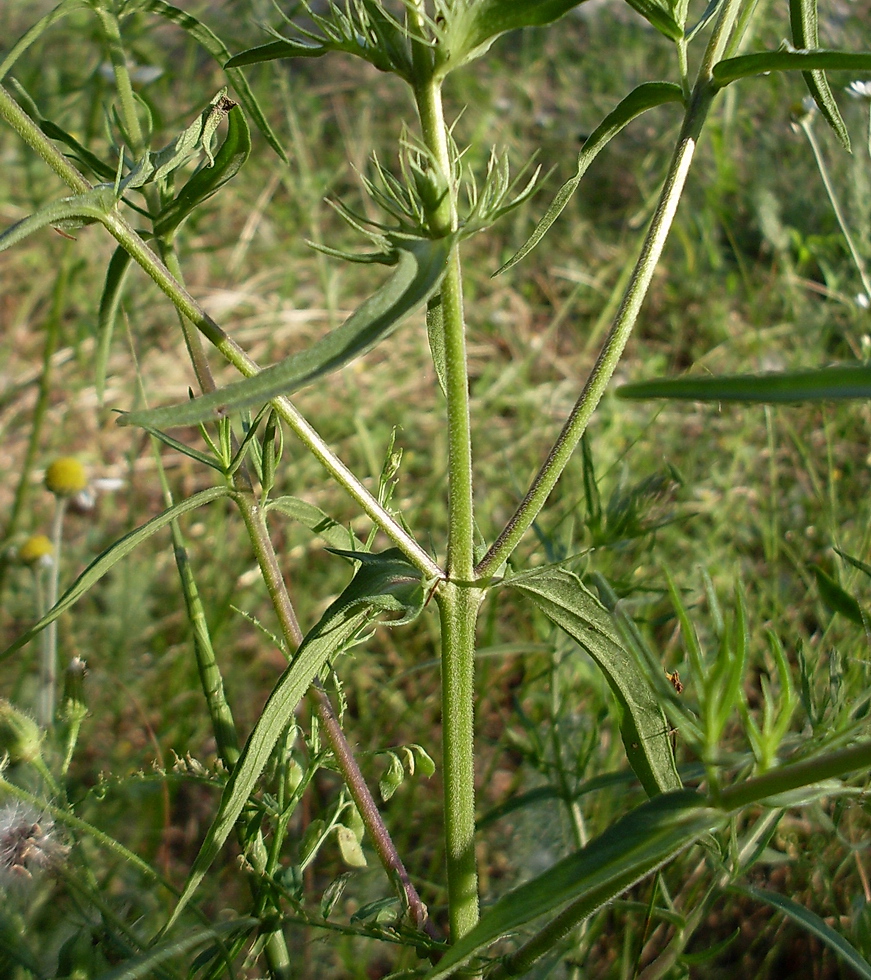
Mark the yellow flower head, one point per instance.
(36, 548)
(66, 477)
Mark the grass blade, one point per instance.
(419, 271)
(633, 847)
(562, 597)
(823, 384)
(808, 920)
(645, 97)
(110, 557)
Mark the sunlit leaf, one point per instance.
(419, 270)
(659, 17)
(645, 97)
(68, 212)
(823, 384)
(316, 520)
(633, 847)
(471, 26)
(760, 64)
(561, 595)
(385, 582)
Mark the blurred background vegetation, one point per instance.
(756, 277)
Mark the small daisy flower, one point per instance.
(66, 477)
(37, 550)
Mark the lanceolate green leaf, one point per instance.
(561, 595)
(645, 97)
(471, 26)
(77, 210)
(825, 384)
(837, 598)
(630, 849)
(384, 582)
(759, 64)
(111, 556)
(419, 270)
(659, 17)
(805, 34)
(811, 922)
(110, 302)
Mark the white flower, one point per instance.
(859, 90)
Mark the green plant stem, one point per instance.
(47, 694)
(458, 607)
(806, 125)
(457, 598)
(611, 352)
(722, 36)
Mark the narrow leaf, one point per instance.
(760, 64)
(560, 594)
(208, 180)
(813, 924)
(419, 271)
(93, 205)
(837, 598)
(110, 302)
(275, 50)
(316, 520)
(855, 562)
(111, 556)
(380, 584)
(435, 332)
(805, 34)
(473, 25)
(823, 384)
(639, 100)
(633, 847)
(659, 17)
(217, 49)
(81, 153)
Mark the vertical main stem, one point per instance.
(457, 598)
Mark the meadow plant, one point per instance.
(722, 807)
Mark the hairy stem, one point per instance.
(457, 598)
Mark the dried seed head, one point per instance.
(66, 477)
(20, 736)
(36, 550)
(28, 843)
